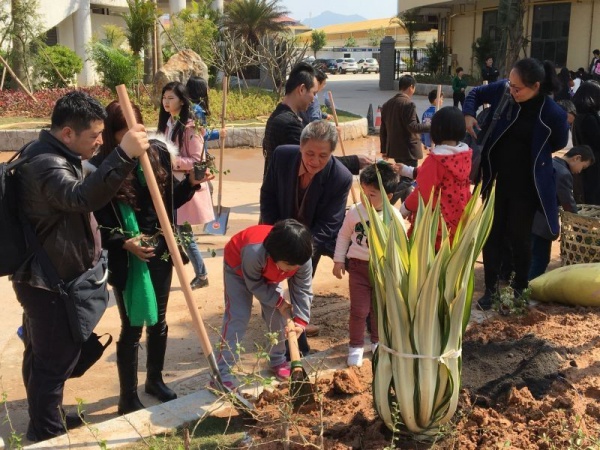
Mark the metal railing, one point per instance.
(402, 61)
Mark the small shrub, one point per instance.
(116, 66)
(18, 103)
(62, 59)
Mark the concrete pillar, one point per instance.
(217, 5)
(82, 33)
(387, 62)
(176, 5)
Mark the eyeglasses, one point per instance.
(517, 89)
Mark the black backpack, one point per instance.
(12, 235)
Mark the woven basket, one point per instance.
(580, 235)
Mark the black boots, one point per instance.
(127, 363)
(155, 386)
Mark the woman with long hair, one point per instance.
(140, 269)
(525, 126)
(175, 120)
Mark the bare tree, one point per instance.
(510, 25)
(229, 54)
(277, 55)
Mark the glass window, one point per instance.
(550, 34)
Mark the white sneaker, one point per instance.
(374, 346)
(355, 356)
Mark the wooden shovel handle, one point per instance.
(291, 336)
(337, 125)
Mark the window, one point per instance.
(550, 35)
(490, 27)
(51, 36)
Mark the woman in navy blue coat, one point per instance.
(517, 154)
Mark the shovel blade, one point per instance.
(302, 390)
(219, 225)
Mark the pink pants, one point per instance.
(360, 302)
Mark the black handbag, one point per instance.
(86, 299)
(91, 351)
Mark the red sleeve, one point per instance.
(429, 175)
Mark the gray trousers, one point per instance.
(238, 308)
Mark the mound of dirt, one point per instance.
(528, 383)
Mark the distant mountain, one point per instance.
(331, 18)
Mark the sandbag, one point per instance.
(577, 284)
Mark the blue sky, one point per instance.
(373, 9)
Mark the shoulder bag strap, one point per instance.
(503, 102)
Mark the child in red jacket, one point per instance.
(445, 171)
(256, 261)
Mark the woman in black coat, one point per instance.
(140, 268)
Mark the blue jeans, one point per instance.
(195, 256)
(541, 249)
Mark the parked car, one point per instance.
(402, 66)
(368, 65)
(422, 65)
(326, 65)
(345, 65)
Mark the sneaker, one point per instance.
(486, 300)
(355, 356)
(374, 346)
(283, 371)
(199, 282)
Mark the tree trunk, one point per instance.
(148, 59)
(17, 55)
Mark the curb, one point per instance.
(13, 140)
(164, 418)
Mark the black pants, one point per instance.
(49, 357)
(458, 97)
(161, 273)
(513, 219)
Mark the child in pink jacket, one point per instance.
(445, 172)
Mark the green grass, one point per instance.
(211, 434)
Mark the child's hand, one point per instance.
(339, 269)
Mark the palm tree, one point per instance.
(409, 20)
(140, 23)
(254, 18)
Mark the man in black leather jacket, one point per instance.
(58, 203)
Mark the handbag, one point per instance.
(86, 299)
(91, 351)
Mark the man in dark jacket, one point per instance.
(400, 132)
(58, 203)
(308, 184)
(285, 125)
(489, 73)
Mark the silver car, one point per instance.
(347, 65)
(368, 65)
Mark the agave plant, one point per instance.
(423, 302)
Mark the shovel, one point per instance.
(302, 390)
(165, 225)
(219, 225)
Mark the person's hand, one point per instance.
(339, 269)
(208, 176)
(398, 167)
(223, 133)
(329, 117)
(135, 141)
(134, 246)
(293, 326)
(471, 124)
(364, 161)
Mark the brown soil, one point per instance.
(528, 382)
